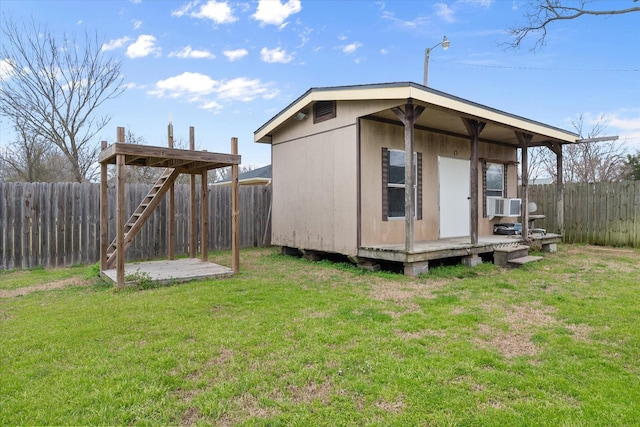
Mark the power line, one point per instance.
(632, 70)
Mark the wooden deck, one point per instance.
(180, 270)
(448, 248)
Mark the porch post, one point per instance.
(120, 219)
(474, 128)
(408, 118)
(525, 139)
(559, 188)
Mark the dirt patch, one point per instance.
(522, 322)
(243, 407)
(403, 294)
(391, 407)
(581, 332)
(310, 392)
(74, 281)
(421, 334)
(190, 417)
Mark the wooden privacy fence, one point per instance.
(58, 224)
(603, 213)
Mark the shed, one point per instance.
(400, 172)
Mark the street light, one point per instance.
(445, 45)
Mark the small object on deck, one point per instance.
(507, 228)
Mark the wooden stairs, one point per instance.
(513, 256)
(143, 212)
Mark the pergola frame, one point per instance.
(176, 162)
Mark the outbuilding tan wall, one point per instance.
(376, 135)
(314, 192)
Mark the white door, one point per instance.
(455, 208)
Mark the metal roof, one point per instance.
(442, 112)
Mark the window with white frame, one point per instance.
(393, 184)
(494, 179)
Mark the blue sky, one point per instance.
(228, 67)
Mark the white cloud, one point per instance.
(444, 12)
(188, 52)
(384, 51)
(273, 12)
(6, 69)
(192, 85)
(483, 3)
(418, 22)
(626, 124)
(351, 47)
(145, 45)
(242, 89)
(234, 55)
(202, 89)
(275, 55)
(218, 12)
(115, 43)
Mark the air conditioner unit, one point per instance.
(498, 206)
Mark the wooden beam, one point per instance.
(408, 118)
(474, 128)
(524, 139)
(172, 204)
(204, 217)
(192, 201)
(559, 189)
(235, 211)
(158, 153)
(120, 218)
(104, 211)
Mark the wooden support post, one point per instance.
(172, 204)
(408, 118)
(525, 139)
(192, 201)
(474, 128)
(120, 218)
(559, 189)
(235, 211)
(204, 218)
(104, 211)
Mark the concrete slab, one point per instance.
(179, 270)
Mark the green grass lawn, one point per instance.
(291, 342)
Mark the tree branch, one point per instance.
(541, 13)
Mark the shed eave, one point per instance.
(421, 94)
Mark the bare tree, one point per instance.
(55, 87)
(588, 161)
(137, 174)
(30, 159)
(540, 13)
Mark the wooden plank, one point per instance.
(4, 226)
(192, 201)
(35, 225)
(104, 211)
(17, 220)
(120, 220)
(204, 217)
(207, 160)
(235, 212)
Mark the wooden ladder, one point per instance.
(142, 213)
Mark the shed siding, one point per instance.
(315, 192)
(376, 135)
